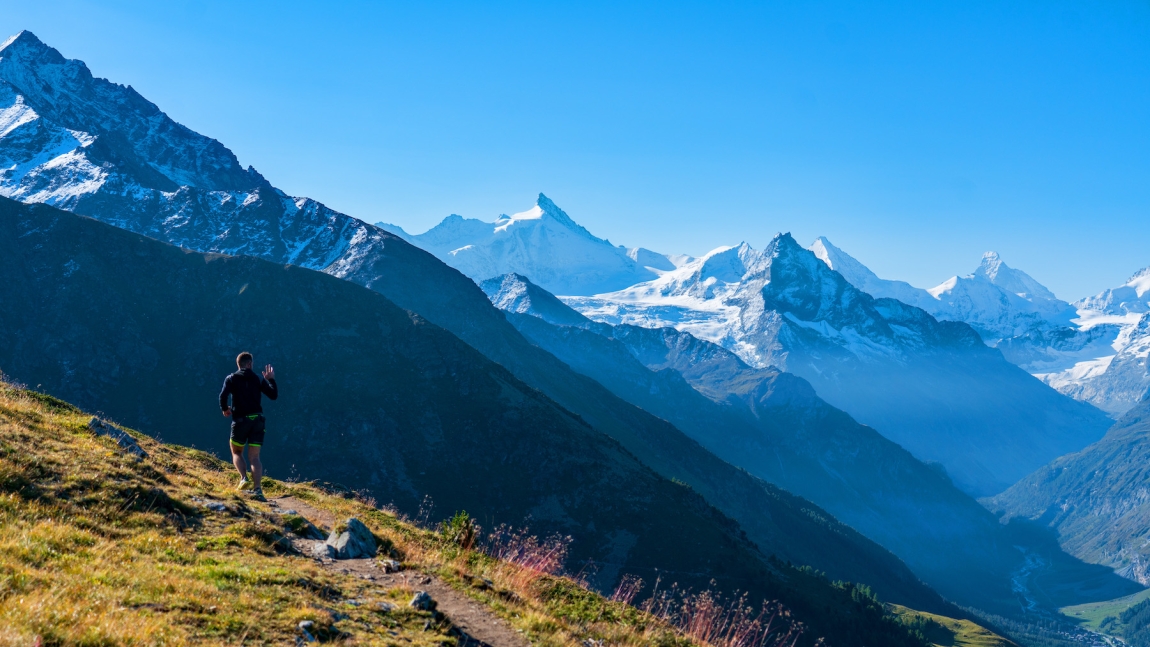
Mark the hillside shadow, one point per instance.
(1054, 578)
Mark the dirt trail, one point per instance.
(480, 627)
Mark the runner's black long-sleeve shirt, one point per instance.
(245, 387)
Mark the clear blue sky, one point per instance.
(915, 135)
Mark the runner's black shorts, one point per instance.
(248, 430)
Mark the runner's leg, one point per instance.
(257, 466)
(238, 459)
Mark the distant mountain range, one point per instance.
(1088, 350)
(998, 301)
(189, 190)
(773, 425)
(714, 336)
(1093, 350)
(932, 386)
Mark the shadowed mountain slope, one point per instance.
(372, 396)
(773, 425)
(1096, 500)
(812, 536)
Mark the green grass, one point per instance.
(1095, 614)
(97, 548)
(948, 632)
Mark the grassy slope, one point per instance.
(1091, 615)
(97, 548)
(948, 632)
(374, 397)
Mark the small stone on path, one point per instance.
(422, 601)
(356, 542)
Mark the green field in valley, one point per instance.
(949, 632)
(1095, 614)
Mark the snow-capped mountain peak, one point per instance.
(999, 301)
(863, 278)
(543, 244)
(86, 144)
(841, 262)
(1133, 296)
(1094, 350)
(66, 99)
(994, 270)
(544, 208)
(26, 46)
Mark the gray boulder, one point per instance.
(126, 442)
(355, 542)
(322, 551)
(422, 601)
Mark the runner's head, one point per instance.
(244, 360)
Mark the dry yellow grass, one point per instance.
(97, 548)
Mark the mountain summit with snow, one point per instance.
(98, 148)
(998, 301)
(544, 244)
(1115, 327)
(890, 365)
(1094, 350)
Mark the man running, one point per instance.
(248, 422)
